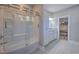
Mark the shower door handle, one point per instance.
(5, 24)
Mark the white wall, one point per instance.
(74, 21)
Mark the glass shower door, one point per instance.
(32, 24)
(8, 31)
(1, 31)
(19, 30)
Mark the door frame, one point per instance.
(68, 16)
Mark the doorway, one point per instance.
(64, 28)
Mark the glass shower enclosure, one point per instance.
(18, 28)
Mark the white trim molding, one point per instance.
(68, 26)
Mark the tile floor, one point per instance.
(59, 47)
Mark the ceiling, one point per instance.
(57, 7)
